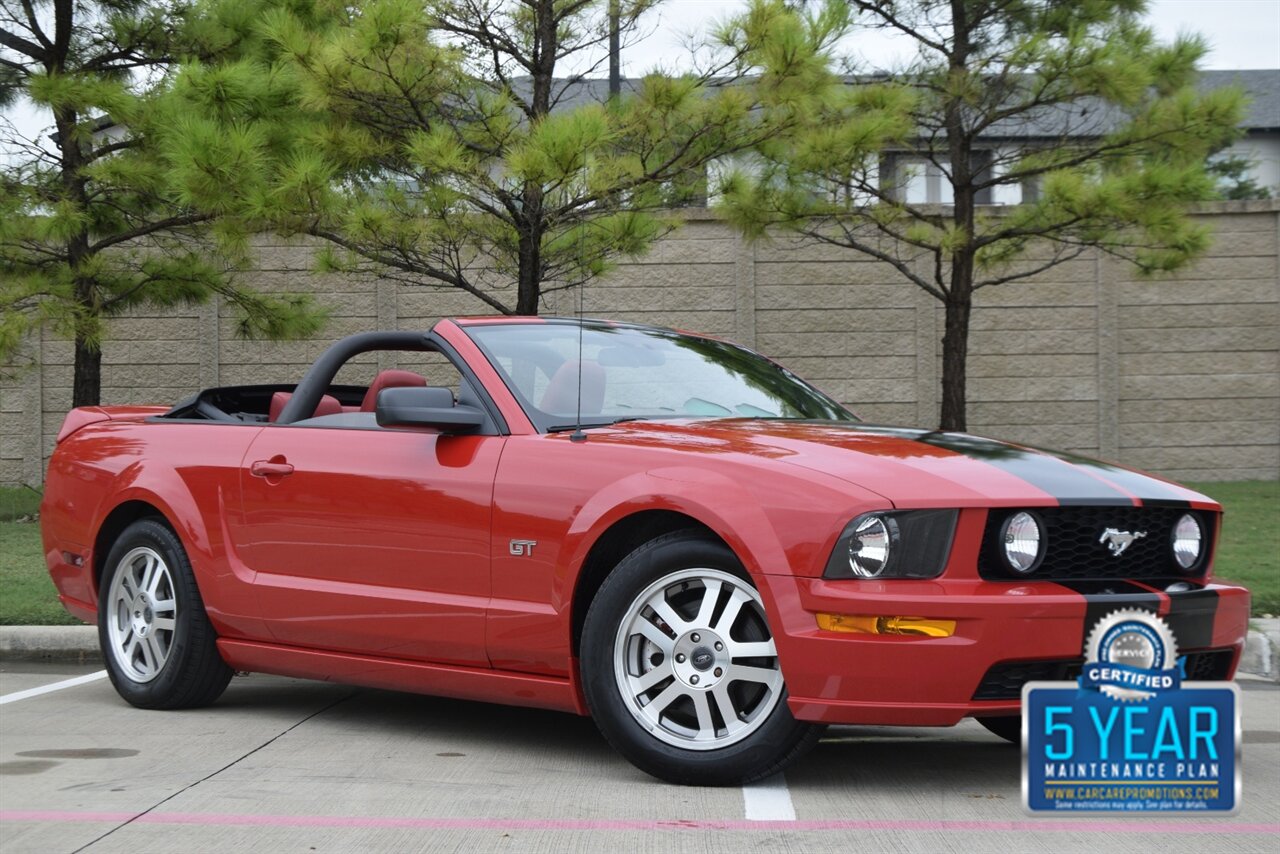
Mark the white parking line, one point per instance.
(768, 800)
(56, 686)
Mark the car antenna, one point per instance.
(578, 434)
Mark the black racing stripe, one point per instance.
(1103, 597)
(1045, 472)
(1191, 616)
(1049, 472)
(1153, 491)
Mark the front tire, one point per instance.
(680, 670)
(159, 647)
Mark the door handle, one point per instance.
(270, 468)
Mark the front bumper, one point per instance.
(837, 677)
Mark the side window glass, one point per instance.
(358, 370)
(434, 367)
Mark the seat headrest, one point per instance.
(390, 378)
(328, 405)
(561, 396)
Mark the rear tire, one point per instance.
(1008, 727)
(159, 646)
(680, 670)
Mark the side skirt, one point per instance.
(488, 686)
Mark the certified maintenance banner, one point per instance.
(1087, 752)
(1130, 736)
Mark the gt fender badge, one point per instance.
(1118, 541)
(522, 548)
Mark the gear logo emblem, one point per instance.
(1126, 649)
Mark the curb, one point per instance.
(66, 644)
(1259, 658)
(79, 644)
(1261, 654)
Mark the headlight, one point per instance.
(870, 544)
(1022, 543)
(1188, 542)
(894, 544)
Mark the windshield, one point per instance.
(633, 373)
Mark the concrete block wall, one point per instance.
(1179, 375)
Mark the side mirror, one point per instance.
(426, 407)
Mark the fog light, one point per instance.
(871, 625)
(1023, 543)
(1188, 542)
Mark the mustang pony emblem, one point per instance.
(1118, 541)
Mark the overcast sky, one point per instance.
(1241, 34)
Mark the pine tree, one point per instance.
(91, 220)
(467, 144)
(1102, 133)
(1234, 179)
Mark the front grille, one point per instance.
(1004, 680)
(1074, 551)
(1210, 666)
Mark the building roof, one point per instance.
(1263, 88)
(1261, 85)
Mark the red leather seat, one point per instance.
(328, 405)
(561, 396)
(389, 379)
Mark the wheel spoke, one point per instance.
(654, 634)
(131, 648)
(668, 614)
(149, 573)
(725, 704)
(640, 684)
(669, 695)
(157, 654)
(702, 705)
(163, 624)
(743, 673)
(729, 615)
(159, 575)
(164, 606)
(710, 595)
(148, 660)
(753, 649)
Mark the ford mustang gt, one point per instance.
(665, 531)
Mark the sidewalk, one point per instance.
(80, 643)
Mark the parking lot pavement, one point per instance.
(288, 765)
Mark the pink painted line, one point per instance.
(1029, 826)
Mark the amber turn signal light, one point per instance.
(869, 625)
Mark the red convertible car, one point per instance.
(665, 531)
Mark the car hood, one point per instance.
(917, 468)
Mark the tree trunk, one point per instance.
(955, 351)
(529, 277)
(86, 383)
(86, 386)
(532, 222)
(959, 303)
